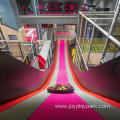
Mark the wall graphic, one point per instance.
(67, 7)
(26, 7)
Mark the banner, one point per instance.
(49, 7)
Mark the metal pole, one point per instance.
(51, 52)
(102, 30)
(91, 41)
(81, 27)
(99, 12)
(38, 27)
(78, 27)
(48, 58)
(47, 33)
(78, 57)
(77, 61)
(116, 5)
(19, 44)
(82, 54)
(39, 31)
(111, 28)
(84, 34)
(116, 49)
(37, 7)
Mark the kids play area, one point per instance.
(59, 59)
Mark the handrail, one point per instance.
(102, 30)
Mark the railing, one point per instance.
(36, 48)
(15, 49)
(28, 50)
(97, 38)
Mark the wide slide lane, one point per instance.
(60, 106)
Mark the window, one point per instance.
(12, 37)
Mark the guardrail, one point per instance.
(97, 39)
(36, 48)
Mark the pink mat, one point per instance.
(64, 106)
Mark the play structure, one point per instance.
(70, 67)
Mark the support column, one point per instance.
(36, 12)
(35, 6)
(39, 31)
(48, 34)
(78, 27)
(86, 23)
(91, 41)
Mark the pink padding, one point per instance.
(41, 61)
(64, 106)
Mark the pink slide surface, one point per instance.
(64, 106)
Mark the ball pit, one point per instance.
(60, 88)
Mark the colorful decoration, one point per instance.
(73, 54)
(51, 7)
(60, 88)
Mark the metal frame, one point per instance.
(102, 30)
(109, 37)
(91, 41)
(86, 23)
(86, 67)
(113, 22)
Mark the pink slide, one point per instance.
(64, 106)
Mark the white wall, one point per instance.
(7, 13)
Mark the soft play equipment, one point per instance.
(60, 88)
(41, 61)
